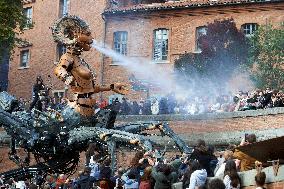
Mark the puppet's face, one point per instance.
(85, 41)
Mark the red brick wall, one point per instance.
(43, 51)
(182, 28)
(140, 30)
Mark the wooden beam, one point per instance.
(174, 15)
(260, 8)
(279, 8)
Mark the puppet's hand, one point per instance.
(120, 88)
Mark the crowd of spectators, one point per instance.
(151, 170)
(258, 99)
(170, 104)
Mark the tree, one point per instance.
(223, 49)
(266, 57)
(12, 23)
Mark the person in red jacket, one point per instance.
(60, 181)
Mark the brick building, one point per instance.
(39, 55)
(156, 31)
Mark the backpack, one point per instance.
(145, 185)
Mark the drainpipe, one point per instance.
(103, 56)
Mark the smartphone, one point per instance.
(246, 137)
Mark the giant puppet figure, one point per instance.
(56, 138)
(75, 34)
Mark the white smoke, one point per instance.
(165, 79)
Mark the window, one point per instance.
(58, 95)
(24, 60)
(28, 15)
(200, 31)
(120, 42)
(249, 29)
(61, 49)
(63, 7)
(161, 38)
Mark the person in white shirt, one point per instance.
(198, 176)
(227, 156)
(231, 178)
(155, 107)
(20, 185)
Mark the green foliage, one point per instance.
(266, 57)
(224, 49)
(12, 23)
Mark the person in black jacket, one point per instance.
(124, 108)
(105, 170)
(147, 108)
(204, 156)
(164, 176)
(135, 108)
(38, 86)
(163, 106)
(85, 181)
(105, 174)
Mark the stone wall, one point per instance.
(220, 128)
(275, 185)
(272, 181)
(215, 128)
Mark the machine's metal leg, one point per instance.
(112, 151)
(162, 127)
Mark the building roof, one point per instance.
(182, 5)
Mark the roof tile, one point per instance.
(180, 4)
